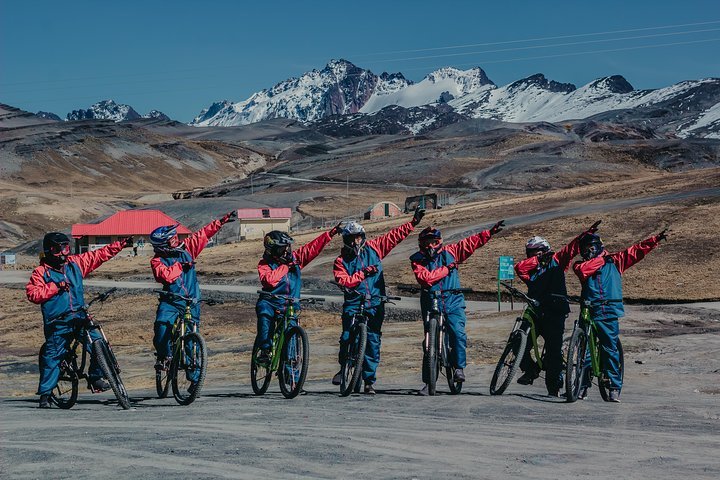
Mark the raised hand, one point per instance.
(336, 229)
(228, 217)
(497, 228)
(594, 227)
(127, 242)
(662, 235)
(418, 215)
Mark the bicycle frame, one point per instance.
(529, 315)
(588, 324)
(281, 325)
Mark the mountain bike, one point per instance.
(65, 393)
(584, 343)
(355, 347)
(289, 354)
(186, 367)
(436, 345)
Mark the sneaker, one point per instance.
(583, 393)
(263, 357)
(423, 392)
(554, 393)
(369, 390)
(45, 401)
(459, 375)
(527, 378)
(614, 396)
(337, 379)
(163, 365)
(99, 385)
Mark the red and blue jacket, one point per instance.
(544, 281)
(284, 279)
(54, 303)
(348, 268)
(433, 275)
(601, 277)
(168, 271)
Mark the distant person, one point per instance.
(436, 270)
(600, 275)
(279, 271)
(174, 267)
(135, 248)
(359, 271)
(57, 286)
(543, 271)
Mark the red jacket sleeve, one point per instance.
(629, 257)
(343, 278)
(465, 247)
(309, 251)
(568, 252)
(525, 268)
(269, 278)
(164, 274)
(427, 278)
(385, 243)
(37, 290)
(89, 261)
(196, 242)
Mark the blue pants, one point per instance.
(376, 315)
(58, 336)
(550, 326)
(455, 327)
(164, 321)
(608, 332)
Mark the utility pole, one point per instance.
(252, 189)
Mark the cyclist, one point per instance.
(174, 267)
(359, 267)
(279, 271)
(600, 275)
(57, 286)
(543, 271)
(435, 268)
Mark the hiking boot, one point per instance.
(423, 392)
(459, 375)
(337, 379)
(554, 393)
(263, 357)
(45, 401)
(163, 365)
(99, 385)
(527, 378)
(614, 396)
(583, 393)
(369, 390)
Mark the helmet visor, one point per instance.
(60, 249)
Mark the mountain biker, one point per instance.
(543, 271)
(600, 275)
(279, 271)
(174, 267)
(57, 286)
(436, 270)
(359, 268)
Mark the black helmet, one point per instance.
(428, 236)
(56, 248)
(278, 245)
(590, 246)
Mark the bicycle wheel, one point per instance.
(509, 362)
(574, 366)
(352, 368)
(294, 362)
(603, 383)
(260, 373)
(431, 367)
(108, 364)
(65, 393)
(455, 387)
(162, 381)
(188, 369)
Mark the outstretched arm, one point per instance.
(467, 246)
(196, 242)
(309, 251)
(630, 256)
(89, 261)
(385, 243)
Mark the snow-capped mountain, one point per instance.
(342, 88)
(109, 110)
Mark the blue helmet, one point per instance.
(161, 236)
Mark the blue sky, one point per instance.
(180, 56)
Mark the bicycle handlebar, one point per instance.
(579, 300)
(209, 301)
(435, 292)
(520, 294)
(309, 301)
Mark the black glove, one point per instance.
(336, 229)
(452, 266)
(418, 215)
(370, 271)
(594, 227)
(662, 235)
(495, 229)
(127, 242)
(229, 217)
(62, 286)
(187, 266)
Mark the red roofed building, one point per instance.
(256, 222)
(138, 223)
